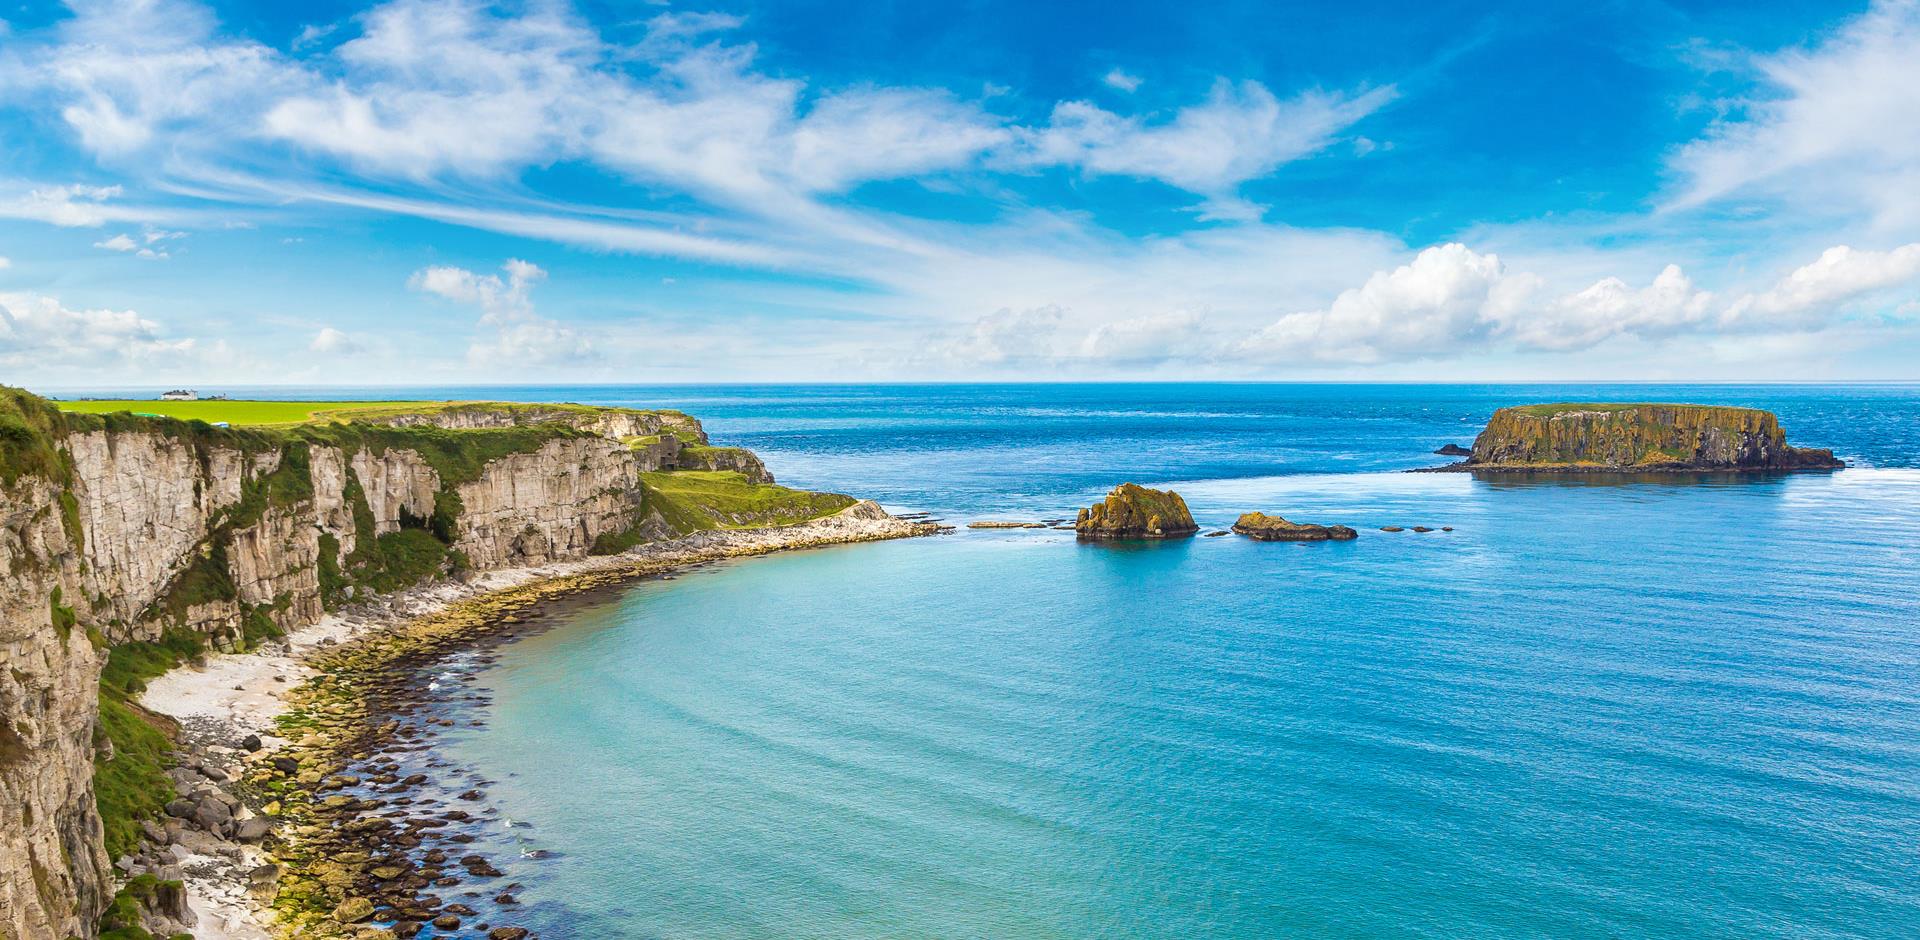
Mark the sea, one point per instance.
(1683, 706)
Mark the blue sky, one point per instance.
(436, 191)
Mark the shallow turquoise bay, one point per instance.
(1646, 709)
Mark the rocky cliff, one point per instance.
(1132, 511)
(1638, 437)
(138, 540)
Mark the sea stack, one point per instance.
(1577, 437)
(1132, 511)
(1262, 527)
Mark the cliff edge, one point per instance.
(1590, 437)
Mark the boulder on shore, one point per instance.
(1265, 528)
(1132, 511)
(1612, 437)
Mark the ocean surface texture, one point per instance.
(1596, 708)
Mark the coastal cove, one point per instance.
(1225, 738)
(1534, 704)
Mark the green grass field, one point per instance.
(241, 413)
(723, 499)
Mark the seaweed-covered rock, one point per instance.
(1571, 437)
(1132, 511)
(1265, 528)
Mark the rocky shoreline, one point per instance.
(308, 804)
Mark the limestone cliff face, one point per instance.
(397, 484)
(54, 874)
(1639, 437)
(120, 530)
(1132, 511)
(527, 509)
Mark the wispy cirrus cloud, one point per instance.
(1828, 127)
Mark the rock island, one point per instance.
(1610, 437)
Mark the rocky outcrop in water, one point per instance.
(1638, 438)
(123, 530)
(1265, 528)
(1132, 511)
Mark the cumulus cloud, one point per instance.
(334, 342)
(38, 332)
(1451, 298)
(1841, 274)
(5, 262)
(1831, 125)
(511, 334)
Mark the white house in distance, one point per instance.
(180, 394)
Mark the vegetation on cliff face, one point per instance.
(1265, 528)
(1132, 511)
(692, 500)
(1638, 436)
(129, 780)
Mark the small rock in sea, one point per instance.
(1392, 528)
(1454, 450)
(446, 922)
(504, 898)
(507, 933)
(1446, 528)
(472, 795)
(1422, 528)
(1215, 534)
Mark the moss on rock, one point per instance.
(1132, 511)
(1638, 437)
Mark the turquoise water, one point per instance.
(1597, 708)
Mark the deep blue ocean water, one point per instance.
(1597, 708)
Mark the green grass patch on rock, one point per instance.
(692, 500)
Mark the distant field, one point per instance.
(237, 413)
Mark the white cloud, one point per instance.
(875, 134)
(512, 335)
(1151, 339)
(5, 262)
(1840, 275)
(1428, 306)
(1239, 133)
(1833, 126)
(38, 333)
(150, 245)
(131, 71)
(1120, 79)
(72, 206)
(333, 342)
(1451, 299)
(1007, 337)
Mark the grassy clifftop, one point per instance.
(1638, 436)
